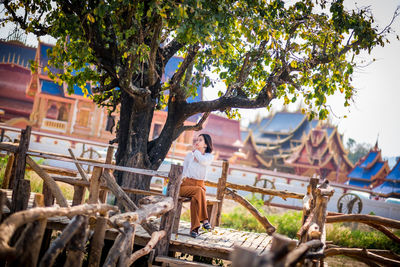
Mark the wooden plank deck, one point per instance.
(218, 243)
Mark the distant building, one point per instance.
(391, 185)
(225, 134)
(270, 141)
(322, 153)
(370, 171)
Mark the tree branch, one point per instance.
(170, 50)
(196, 127)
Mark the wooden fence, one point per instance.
(19, 247)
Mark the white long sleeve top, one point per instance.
(195, 165)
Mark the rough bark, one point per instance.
(97, 242)
(76, 247)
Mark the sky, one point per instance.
(375, 113)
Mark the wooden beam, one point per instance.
(264, 191)
(167, 220)
(364, 219)
(55, 190)
(78, 166)
(221, 192)
(20, 157)
(97, 242)
(270, 229)
(94, 188)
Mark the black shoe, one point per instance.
(207, 226)
(194, 234)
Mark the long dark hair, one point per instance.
(208, 141)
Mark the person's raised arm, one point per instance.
(203, 159)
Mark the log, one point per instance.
(94, 188)
(221, 191)
(20, 195)
(56, 170)
(167, 220)
(20, 157)
(79, 195)
(155, 237)
(385, 231)
(58, 245)
(299, 253)
(55, 190)
(270, 229)
(28, 246)
(279, 193)
(119, 245)
(8, 146)
(76, 246)
(8, 172)
(78, 166)
(121, 196)
(97, 242)
(361, 253)
(109, 158)
(17, 219)
(144, 212)
(48, 196)
(78, 182)
(3, 200)
(128, 245)
(364, 219)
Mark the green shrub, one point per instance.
(344, 236)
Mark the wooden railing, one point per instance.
(312, 235)
(75, 233)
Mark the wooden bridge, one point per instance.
(37, 211)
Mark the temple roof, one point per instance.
(370, 168)
(364, 173)
(395, 172)
(364, 184)
(283, 122)
(15, 53)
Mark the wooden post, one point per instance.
(97, 242)
(221, 191)
(94, 187)
(3, 200)
(48, 196)
(2, 135)
(20, 157)
(76, 246)
(79, 195)
(8, 171)
(109, 158)
(20, 195)
(167, 220)
(28, 246)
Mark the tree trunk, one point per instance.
(133, 135)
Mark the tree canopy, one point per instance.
(260, 49)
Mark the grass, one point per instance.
(288, 223)
(35, 181)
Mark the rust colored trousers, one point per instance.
(196, 190)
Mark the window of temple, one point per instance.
(83, 117)
(62, 113)
(52, 112)
(156, 130)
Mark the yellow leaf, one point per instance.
(90, 18)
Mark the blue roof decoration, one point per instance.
(370, 158)
(395, 172)
(362, 173)
(284, 122)
(388, 188)
(16, 54)
(51, 88)
(44, 59)
(359, 183)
